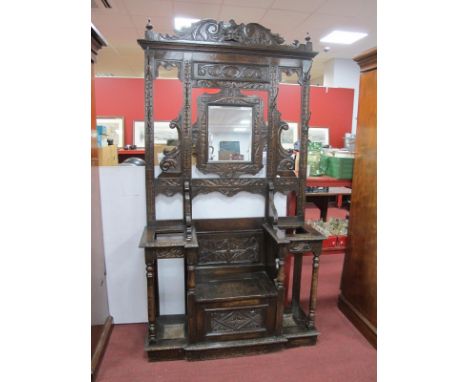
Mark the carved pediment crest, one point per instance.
(219, 31)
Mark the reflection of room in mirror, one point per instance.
(229, 133)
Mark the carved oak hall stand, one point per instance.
(234, 280)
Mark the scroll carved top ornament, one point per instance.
(213, 31)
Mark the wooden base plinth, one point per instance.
(359, 321)
(295, 333)
(103, 340)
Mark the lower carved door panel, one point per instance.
(246, 320)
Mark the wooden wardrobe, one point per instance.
(358, 297)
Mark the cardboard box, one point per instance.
(107, 156)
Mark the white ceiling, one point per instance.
(125, 22)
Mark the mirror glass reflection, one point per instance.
(229, 133)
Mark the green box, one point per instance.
(340, 168)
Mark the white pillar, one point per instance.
(343, 73)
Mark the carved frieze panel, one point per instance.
(236, 320)
(287, 184)
(170, 253)
(228, 187)
(168, 186)
(231, 72)
(300, 247)
(228, 249)
(219, 84)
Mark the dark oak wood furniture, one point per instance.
(125, 154)
(321, 199)
(358, 298)
(328, 181)
(234, 279)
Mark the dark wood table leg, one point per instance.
(191, 256)
(313, 290)
(280, 287)
(296, 287)
(322, 204)
(151, 282)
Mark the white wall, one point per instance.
(99, 300)
(343, 73)
(124, 218)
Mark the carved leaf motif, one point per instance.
(300, 247)
(230, 84)
(236, 320)
(170, 253)
(171, 161)
(211, 30)
(228, 187)
(231, 72)
(168, 186)
(228, 250)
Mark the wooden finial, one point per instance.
(148, 25)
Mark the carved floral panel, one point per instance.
(236, 320)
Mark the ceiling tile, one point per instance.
(196, 10)
(342, 7)
(318, 25)
(109, 62)
(120, 19)
(276, 20)
(250, 3)
(112, 33)
(125, 23)
(154, 7)
(160, 24)
(241, 14)
(129, 50)
(307, 6)
(136, 62)
(116, 6)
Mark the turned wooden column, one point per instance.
(282, 252)
(152, 293)
(313, 289)
(149, 139)
(296, 287)
(191, 260)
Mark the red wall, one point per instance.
(330, 107)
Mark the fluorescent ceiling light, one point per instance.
(239, 129)
(183, 22)
(342, 37)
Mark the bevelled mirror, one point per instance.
(230, 133)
